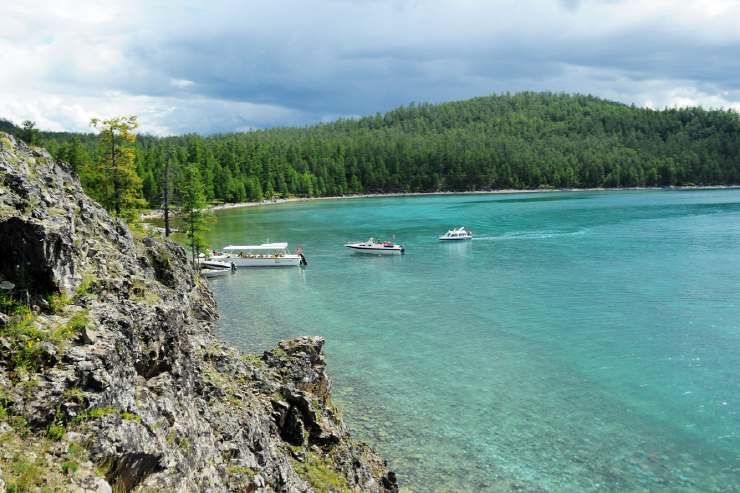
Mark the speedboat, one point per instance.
(265, 255)
(376, 246)
(457, 234)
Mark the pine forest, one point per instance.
(523, 141)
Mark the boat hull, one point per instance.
(284, 261)
(457, 234)
(211, 264)
(459, 238)
(375, 251)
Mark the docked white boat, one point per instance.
(214, 272)
(457, 234)
(265, 255)
(217, 265)
(376, 247)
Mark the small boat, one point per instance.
(265, 255)
(376, 246)
(214, 272)
(457, 234)
(217, 265)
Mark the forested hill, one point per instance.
(523, 141)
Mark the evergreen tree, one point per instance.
(29, 133)
(193, 209)
(76, 155)
(117, 184)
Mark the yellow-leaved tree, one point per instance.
(113, 179)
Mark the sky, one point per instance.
(223, 66)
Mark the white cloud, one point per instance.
(181, 82)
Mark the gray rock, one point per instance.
(93, 485)
(88, 336)
(184, 410)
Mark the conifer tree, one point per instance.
(73, 152)
(29, 134)
(114, 179)
(193, 209)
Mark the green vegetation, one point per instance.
(24, 459)
(56, 432)
(193, 196)
(26, 352)
(30, 134)
(523, 141)
(94, 414)
(74, 325)
(321, 475)
(130, 416)
(113, 178)
(69, 466)
(58, 302)
(85, 286)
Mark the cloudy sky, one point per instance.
(221, 66)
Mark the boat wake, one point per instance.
(528, 236)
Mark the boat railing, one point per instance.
(371, 242)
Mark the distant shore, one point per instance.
(160, 213)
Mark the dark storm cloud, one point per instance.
(218, 67)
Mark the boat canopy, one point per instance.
(265, 246)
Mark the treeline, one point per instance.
(523, 141)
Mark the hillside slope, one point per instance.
(526, 140)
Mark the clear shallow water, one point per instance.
(582, 342)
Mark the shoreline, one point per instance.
(158, 213)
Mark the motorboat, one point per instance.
(206, 272)
(217, 265)
(265, 255)
(457, 234)
(376, 246)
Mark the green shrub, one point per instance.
(58, 302)
(23, 474)
(69, 466)
(94, 414)
(56, 432)
(322, 477)
(131, 416)
(84, 287)
(72, 327)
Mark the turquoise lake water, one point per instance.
(581, 342)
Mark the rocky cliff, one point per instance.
(110, 379)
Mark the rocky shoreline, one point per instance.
(110, 378)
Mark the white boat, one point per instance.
(214, 272)
(265, 255)
(457, 234)
(217, 265)
(375, 246)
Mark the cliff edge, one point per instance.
(110, 379)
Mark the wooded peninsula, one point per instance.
(523, 141)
